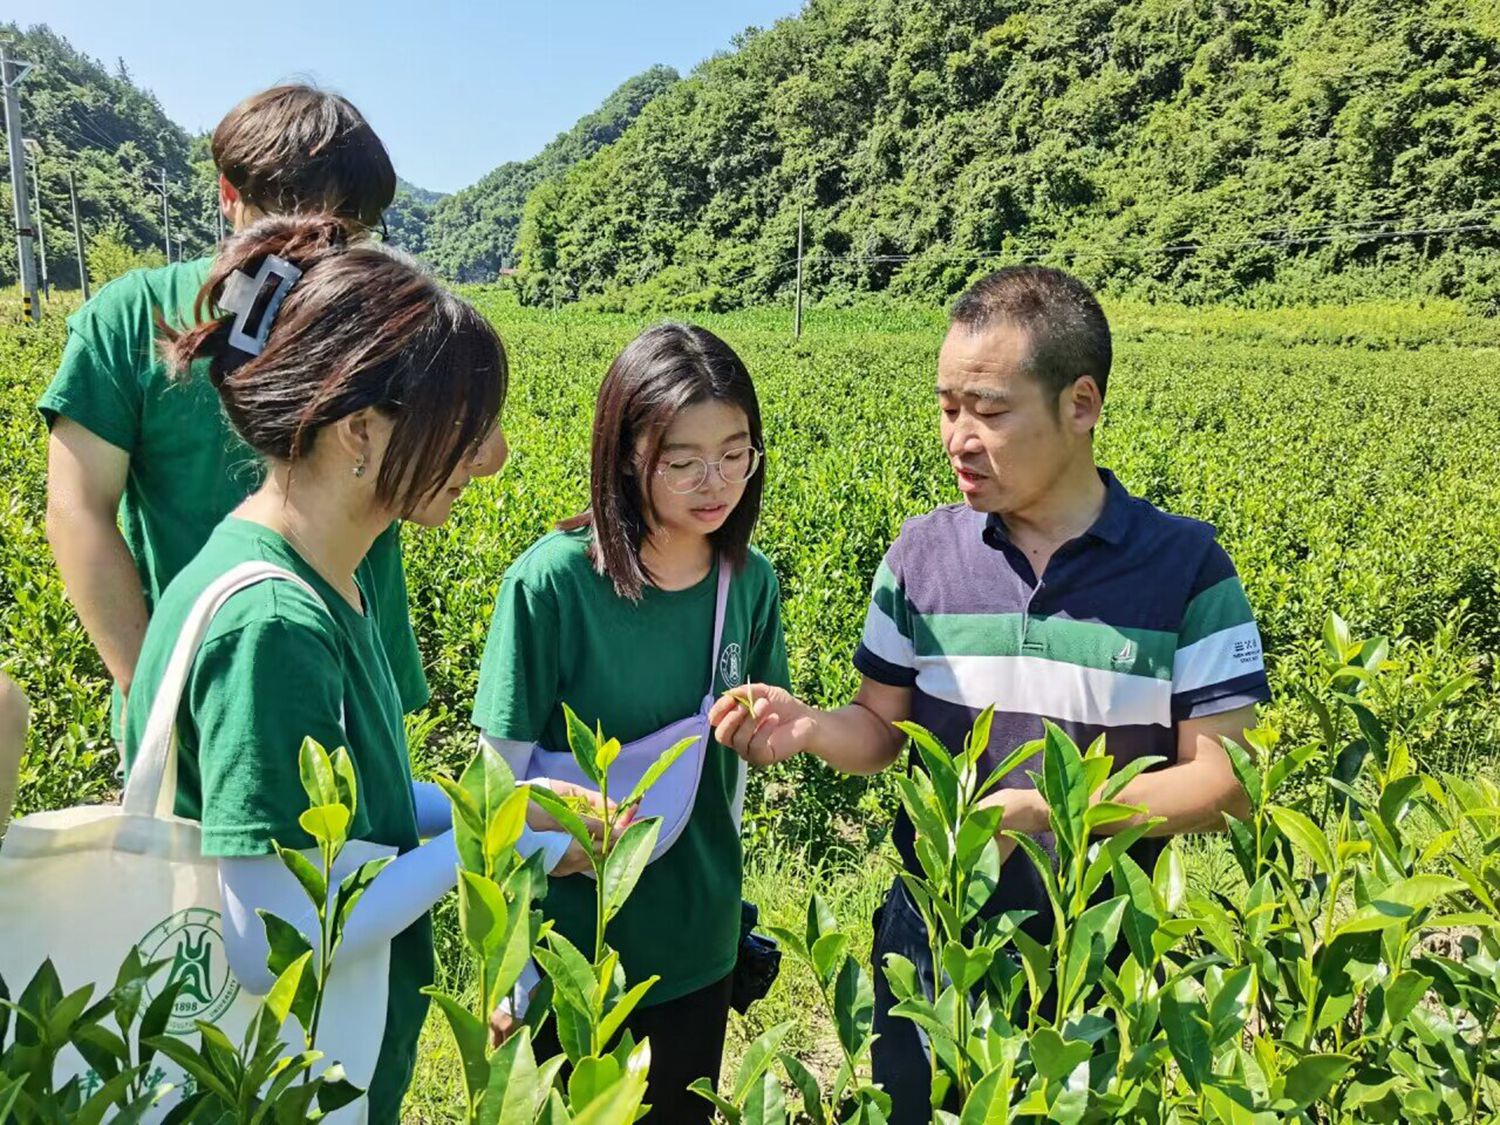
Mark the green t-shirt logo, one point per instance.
(192, 944)
(731, 670)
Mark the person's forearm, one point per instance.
(102, 583)
(1190, 797)
(854, 739)
(434, 813)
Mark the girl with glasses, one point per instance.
(636, 614)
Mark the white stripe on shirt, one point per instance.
(884, 639)
(1054, 689)
(1225, 655)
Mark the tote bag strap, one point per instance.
(726, 574)
(151, 789)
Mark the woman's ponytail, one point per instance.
(301, 240)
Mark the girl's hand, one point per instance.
(502, 1026)
(763, 724)
(504, 1023)
(587, 803)
(575, 861)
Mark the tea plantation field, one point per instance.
(1348, 457)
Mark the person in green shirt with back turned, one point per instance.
(372, 395)
(637, 618)
(140, 468)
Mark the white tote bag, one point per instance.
(83, 885)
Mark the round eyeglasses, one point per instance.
(688, 474)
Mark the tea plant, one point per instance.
(37, 1026)
(1328, 990)
(589, 999)
(1373, 485)
(846, 993)
(1375, 488)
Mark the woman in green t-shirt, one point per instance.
(617, 618)
(372, 395)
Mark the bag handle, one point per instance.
(726, 574)
(151, 789)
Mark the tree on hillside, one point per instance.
(408, 216)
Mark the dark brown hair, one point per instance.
(293, 149)
(661, 372)
(365, 326)
(1068, 331)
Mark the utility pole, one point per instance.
(83, 269)
(166, 218)
(218, 210)
(12, 73)
(41, 226)
(798, 325)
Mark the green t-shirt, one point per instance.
(561, 634)
(275, 667)
(188, 468)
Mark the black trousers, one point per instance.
(687, 1043)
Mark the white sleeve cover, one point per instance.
(404, 890)
(552, 844)
(520, 996)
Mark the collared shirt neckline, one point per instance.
(1112, 525)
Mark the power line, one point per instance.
(1143, 251)
(99, 139)
(1353, 230)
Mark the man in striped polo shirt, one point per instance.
(1050, 593)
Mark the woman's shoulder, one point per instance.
(276, 607)
(556, 560)
(758, 570)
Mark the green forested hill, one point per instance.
(1202, 148)
(1261, 150)
(407, 217)
(472, 233)
(116, 140)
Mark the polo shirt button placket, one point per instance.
(1031, 647)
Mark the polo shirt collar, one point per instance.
(1112, 526)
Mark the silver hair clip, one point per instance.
(251, 300)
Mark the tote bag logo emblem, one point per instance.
(729, 666)
(192, 945)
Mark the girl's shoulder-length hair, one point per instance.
(659, 374)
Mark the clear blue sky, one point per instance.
(454, 88)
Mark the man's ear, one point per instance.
(1082, 404)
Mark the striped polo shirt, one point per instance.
(1136, 625)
